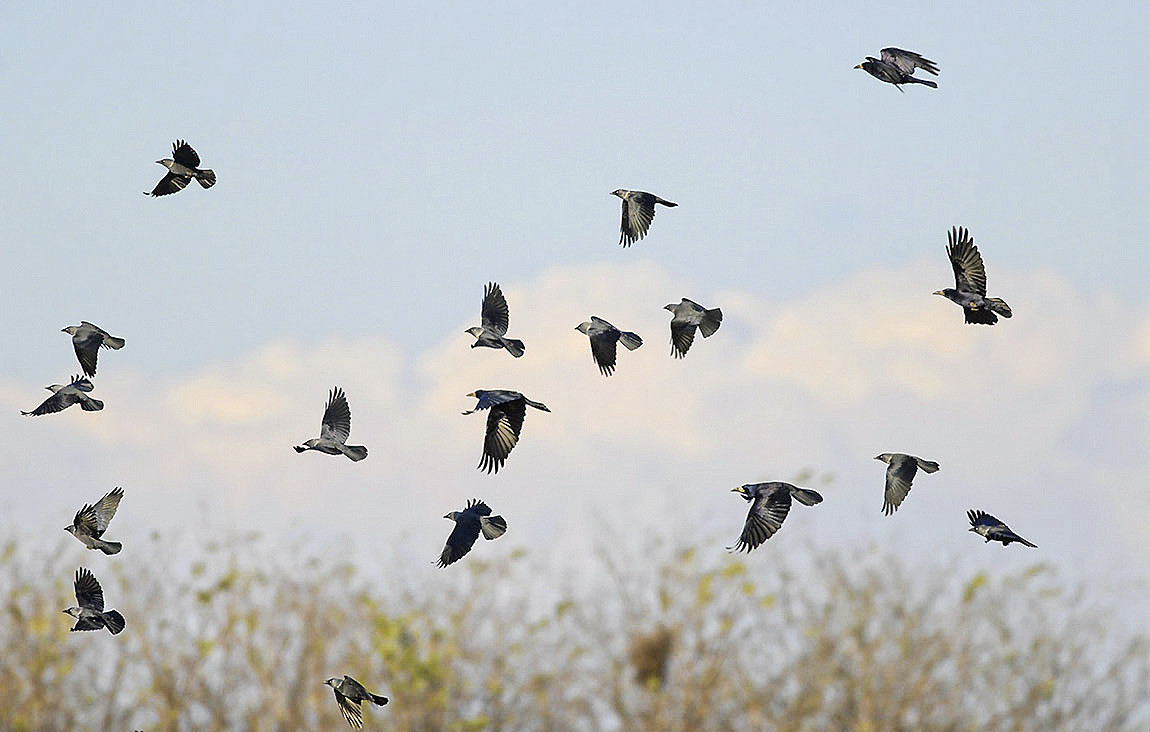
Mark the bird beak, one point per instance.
(971, 529)
(937, 292)
(737, 490)
(859, 66)
(63, 330)
(446, 515)
(878, 457)
(472, 395)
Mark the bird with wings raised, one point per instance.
(65, 395)
(92, 520)
(991, 529)
(969, 289)
(334, 430)
(183, 166)
(494, 318)
(90, 613)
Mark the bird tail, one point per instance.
(928, 466)
(355, 452)
(928, 82)
(513, 346)
(807, 497)
(1020, 540)
(206, 178)
(711, 321)
(111, 547)
(537, 405)
(378, 700)
(91, 405)
(114, 343)
(999, 306)
(630, 340)
(665, 202)
(493, 527)
(114, 621)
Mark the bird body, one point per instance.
(334, 430)
(472, 521)
(348, 695)
(604, 339)
(991, 529)
(92, 520)
(183, 166)
(686, 317)
(900, 471)
(65, 395)
(638, 213)
(495, 318)
(90, 613)
(969, 291)
(87, 340)
(770, 503)
(504, 423)
(892, 72)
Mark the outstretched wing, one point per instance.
(638, 213)
(183, 154)
(504, 423)
(87, 349)
(461, 540)
(170, 183)
(88, 592)
(55, 403)
(93, 519)
(336, 417)
(604, 345)
(350, 710)
(969, 272)
(899, 475)
(495, 314)
(906, 61)
(682, 336)
(764, 519)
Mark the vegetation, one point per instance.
(234, 640)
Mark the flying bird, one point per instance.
(182, 167)
(504, 423)
(335, 429)
(770, 503)
(90, 614)
(990, 528)
(473, 520)
(88, 339)
(604, 339)
(900, 472)
(92, 520)
(494, 318)
(908, 61)
(638, 213)
(897, 67)
(687, 316)
(970, 281)
(65, 395)
(348, 695)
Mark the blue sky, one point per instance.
(378, 165)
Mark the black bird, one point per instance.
(348, 694)
(182, 167)
(604, 338)
(476, 518)
(638, 213)
(92, 520)
(334, 430)
(65, 395)
(504, 423)
(770, 503)
(970, 281)
(90, 614)
(687, 316)
(87, 340)
(992, 529)
(900, 471)
(908, 61)
(891, 73)
(494, 318)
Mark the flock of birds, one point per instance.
(769, 502)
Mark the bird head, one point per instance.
(71, 529)
(885, 457)
(54, 388)
(619, 192)
(453, 515)
(741, 490)
(73, 611)
(475, 394)
(332, 682)
(476, 331)
(583, 327)
(71, 329)
(670, 307)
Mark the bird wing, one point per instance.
(764, 518)
(899, 475)
(170, 183)
(336, 417)
(638, 212)
(461, 540)
(478, 507)
(87, 624)
(183, 154)
(350, 710)
(88, 592)
(969, 272)
(494, 312)
(906, 61)
(504, 423)
(57, 402)
(682, 336)
(352, 689)
(604, 345)
(87, 348)
(982, 518)
(98, 516)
